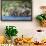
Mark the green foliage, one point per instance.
(6, 4)
(11, 31)
(19, 0)
(41, 17)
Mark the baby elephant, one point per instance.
(12, 12)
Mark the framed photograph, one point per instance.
(16, 10)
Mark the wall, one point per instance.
(26, 27)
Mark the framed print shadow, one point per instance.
(16, 10)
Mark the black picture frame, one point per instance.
(15, 18)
